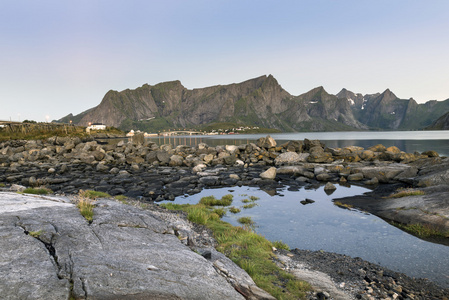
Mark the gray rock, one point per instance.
(329, 187)
(289, 158)
(269, 174)
(126, 252)
(163, 157)
(355, 177)
(266, 142)
(176, 161)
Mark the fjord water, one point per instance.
(321, 225)
(408, 141)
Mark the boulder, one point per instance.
(355, 177)
(431, 153)
(290, 158)
(176, 161)
(266, 142)
(329, 187)
(163, 157)
(378, 148)
(317, 155)
(269, 174)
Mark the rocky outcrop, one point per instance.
(49, 251)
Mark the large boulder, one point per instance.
(266, 142)
(290, 158)
(269, 174)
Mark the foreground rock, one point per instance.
(49, 251)
(336, 276)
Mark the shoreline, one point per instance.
(332, 276)
(149, 172)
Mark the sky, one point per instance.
(60, 57)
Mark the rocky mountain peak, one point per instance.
(388, 95)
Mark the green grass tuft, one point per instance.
(39, 191)
(249, 250)
(35, 234)
(220, 212)
(212, 201)
(245, 220)
(234, 210)
(281, 245)
(406, 192)
(93, 194)
(250, 205)
(422, 230)
(86, 208)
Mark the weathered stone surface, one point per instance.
(290, 158)
(355, 177)
(125, 252)
(329, 187)
(384, 173)
(266, 142)
(269, 174)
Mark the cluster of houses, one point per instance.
(101, 126)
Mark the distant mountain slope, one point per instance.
(387, 112)
(259, 102)
(441, 124)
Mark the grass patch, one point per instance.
(249, 250)
(86, 208)
(2, 184)
(234, 210)
(253, 198)
(250, 205)
(93, 194)
(406, 192)
(35, 234)
(281, 245)
(37, 191)
(422, 230)
(120, 197)
(220, 211)
(246, 201)
(343, 205)
(245, 221)
(226, 200)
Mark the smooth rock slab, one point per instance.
(126, 252)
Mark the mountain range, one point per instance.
(258, 102)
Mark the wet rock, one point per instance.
(329, 187)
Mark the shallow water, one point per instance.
(324, 226)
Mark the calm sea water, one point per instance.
(325, 226)
(408, 141)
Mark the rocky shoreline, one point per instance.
(147, 172)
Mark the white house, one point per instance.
(96, 126)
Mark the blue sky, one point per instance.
(59, 57)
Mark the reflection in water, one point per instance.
(321, 225)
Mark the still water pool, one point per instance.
(324, 226)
